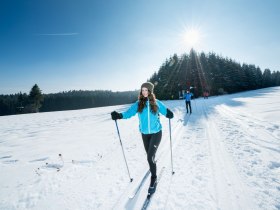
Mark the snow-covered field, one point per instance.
(226, 155)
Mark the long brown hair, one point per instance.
(142, 102)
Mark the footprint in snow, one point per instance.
(274, 165)
(38, 160)
(10, 161)
(5, 157)
(53, 165)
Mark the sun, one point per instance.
(192, 37)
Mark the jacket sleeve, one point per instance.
(131, 111)
(161, 108)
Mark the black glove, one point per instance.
(169, 114)
(115, 115)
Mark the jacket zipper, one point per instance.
(149, 129)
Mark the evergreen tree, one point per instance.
(259, 77)
(35, 97)
(266, 78)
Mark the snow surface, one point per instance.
(226, 155)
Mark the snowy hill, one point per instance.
(226, 155)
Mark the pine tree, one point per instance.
(35, 97)
(267, 78)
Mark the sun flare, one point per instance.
(192, 37)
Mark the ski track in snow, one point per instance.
(261, 152)
(226, 155)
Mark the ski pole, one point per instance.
(123, 151)
(171, 147)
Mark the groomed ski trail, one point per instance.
(231, 191)
(255, 150)
(204, 168)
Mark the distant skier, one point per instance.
(206, 94)
(188, 97)
(148, 108)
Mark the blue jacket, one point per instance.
(148, 121)
(188, 96)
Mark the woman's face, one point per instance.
(145, 92)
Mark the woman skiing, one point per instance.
(148, 109)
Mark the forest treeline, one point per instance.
(197, 72)
(69, 100)
(217, 75)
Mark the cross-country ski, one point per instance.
(152, 192)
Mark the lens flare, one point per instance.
(192, 37)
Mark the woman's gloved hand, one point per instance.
(116, 116)
(169, 114)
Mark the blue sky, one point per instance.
(117, 45)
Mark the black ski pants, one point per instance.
(188, 104)
(151, 143)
